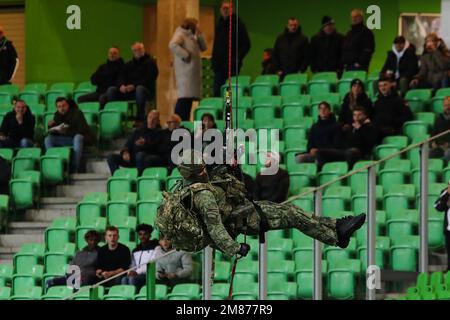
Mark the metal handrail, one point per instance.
(365, 168)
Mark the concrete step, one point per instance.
(98, 167)
(7, 253)
(59, 202)
(17, 240)
(79, 191)
(89, 178)
(28, 227)
(48, 215)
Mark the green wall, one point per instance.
(55, 53)
(266, 19)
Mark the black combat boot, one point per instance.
(346, 226)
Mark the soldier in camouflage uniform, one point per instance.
(227, 212)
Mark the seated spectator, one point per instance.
(68, 129)
(208, 122)
(136, 82)
(174, 268)
(434, 65)
(268, 64)
(325, 133)
(440, 148)
(113, 258)
(275, 187)
(105, 77)
(390, 110)
(358, 142)
(166, 146)
(142, 148)
(9, 61)
(357, 97)
(401, 63)
(86, 260)
(326, 48)
(17, 130)
(143, 253)
(442, 205)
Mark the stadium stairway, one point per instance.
(30, 227)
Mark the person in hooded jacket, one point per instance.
(8, 59)
(401, 63)
(291, 50)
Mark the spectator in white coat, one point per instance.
(187, 44)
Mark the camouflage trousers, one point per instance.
(286, 216)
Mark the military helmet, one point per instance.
(191, 164)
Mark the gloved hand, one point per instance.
(244, 250)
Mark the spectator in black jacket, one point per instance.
(440, 148)
(401, 63)
(166, 146)
(137, 81)
(142, 148)
(272, 187)
(357, 97)
(113, 258)
(8, 59)
(358, 142)
(359, 44)
(325, 134)
(268, 67)
(291, 50)
(390, 110)
(105, 77)
(17, 129)
(326, 48)
(442, 205)
(219, 58)
(5, 177)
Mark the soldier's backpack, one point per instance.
(178, 222)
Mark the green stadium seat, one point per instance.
(110, 124)
(58, 293)
(322, 83)
(146, 212)
(301, 241)
(12, 89)
(30, 292)
(404, 253)
(121, 292)
(344, 85)
(342, 279)
(6, 98)
(437, 103)
(55, 165)
(415, 128)
(51, 97)
(7, 154)
(427, 117)
(302, 176)
(6, 273)
(201, 110)
(84, 293)
(264, 85)
(37, 87)
(382, 247)
(289, 289)
(5, 293)
(187, 291)
(122, 181)
(418, 99)
(293, 115)
(245, 291)
(400, 142)
(217, 103)
(26, 159)
(91, 111)
(222, 271)
(386, 150)
(220, 291)
(84, 88)
(332, 171)
(25, 189)
(55, 266)
(147, 185)
(160, 292)
(293, 84)
(398, 197)
(293, 136)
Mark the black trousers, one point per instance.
(102, 98)
(183, 108)
(447, 246)
(351, 155)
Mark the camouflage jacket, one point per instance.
(225, 213)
